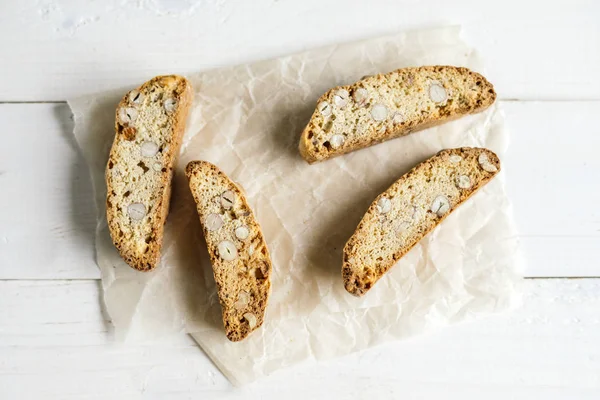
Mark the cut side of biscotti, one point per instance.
(150, 122)
(387, 106)
(415, 204)
(237, 248)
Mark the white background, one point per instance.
(543, 58)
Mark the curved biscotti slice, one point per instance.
(409, 209)
(386, 106)
(150, 121)
(238, 251)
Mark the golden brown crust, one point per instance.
(406, 95)
(243, 282)
(402, 215)
(139, 242)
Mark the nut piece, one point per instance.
(213, 222)
(455, 159)
(324, 108)
(157, 167)
(398, 118)
(227, 199)
(360, 96)
(437, 93)
(251, 318)
(136, 97)
(417, 213)
(401, 227)
(379, 112)
(384, 205)
(242, 232)
(148, 149)
(463, 181)
(129, 133)
(340, 98)
(440, 206)
(485, 163)
(227, 250)
(336, 141)
(136, 211)
(242, 300)
(127, 115)
(170, 104)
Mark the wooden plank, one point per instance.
(46, 231)
(552, 172)
(54, 344)
(61, 49)
(47, 214)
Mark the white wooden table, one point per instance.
(544, 59)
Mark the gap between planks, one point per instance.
(99, 280)
(502, 100)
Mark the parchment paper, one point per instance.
(247, 120)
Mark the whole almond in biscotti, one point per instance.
(150, 121)
(386, 106)
(237, 248)
(409, 209)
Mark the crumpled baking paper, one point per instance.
(247, 120)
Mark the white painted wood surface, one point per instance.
(548, 349)
(47, 218)
(69, 47)
(551, 166)
(54, 341)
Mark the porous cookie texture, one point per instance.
(150, 122)
(238, 251)
(386, 106)
(409, 209)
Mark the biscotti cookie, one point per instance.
(150, 121)
(237, 248)
(386, 106)
(409, 209)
